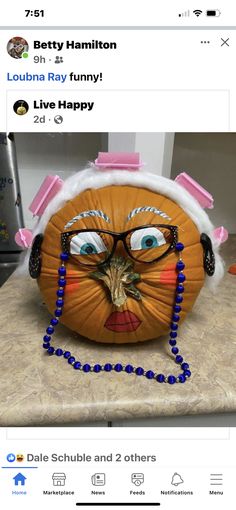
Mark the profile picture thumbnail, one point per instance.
(20, 107)
(18, 47)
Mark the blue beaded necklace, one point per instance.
(118, 367)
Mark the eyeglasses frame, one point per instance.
(120, 237)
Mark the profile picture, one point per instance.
(21, 107)
(17, 47)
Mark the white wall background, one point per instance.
(156, 149)
(210, 158)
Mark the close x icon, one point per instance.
(224, 42)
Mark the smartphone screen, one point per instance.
(117, 255)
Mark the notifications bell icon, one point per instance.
(176, 479)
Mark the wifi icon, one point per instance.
(197, 12)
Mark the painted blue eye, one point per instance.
(87, 249)
(147, 238)
(87, 243)
(149, 242)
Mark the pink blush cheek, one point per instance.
(168, 275)
(72, 283)
(71, 287)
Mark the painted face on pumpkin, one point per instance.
(127, 298)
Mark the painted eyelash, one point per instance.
(147, 209)
(87, 214)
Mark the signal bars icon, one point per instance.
(184, 14)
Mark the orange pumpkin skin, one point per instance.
(87, 303)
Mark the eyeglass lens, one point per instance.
(144, 245)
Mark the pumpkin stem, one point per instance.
(119, 277)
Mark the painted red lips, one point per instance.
(122, 321)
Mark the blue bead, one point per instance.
(67, 354)
(60, 292)
(97, 368)
(51, 350)
(129, 369)
(173, 334)
(180, 265)
(177, 308)
(172, 342)
(178, 359)
(149, 374)
(160, 378)
(77, 365)
(50, 330)
(107, 367)
(46, 338)
(59, 302)
(54, 322)
(46, 346)
(179, 246)
(180, 289)
(181, 278)
(175, 317)
(174, 327)
(62, 271)
(59, 352)
(86, 367)
(182, 378)
(61, 282)
(171, 379)
(71, 360)
(175, 350)
(185, 366)
(64, 256)
(179, 299)
(58, 313)
(187, 373)
(139, 371)
(118, 367)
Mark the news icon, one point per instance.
(98, 479)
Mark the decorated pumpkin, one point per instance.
(126, 299)
(120, 256)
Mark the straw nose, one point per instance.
(119, 277)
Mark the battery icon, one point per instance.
(213, 13)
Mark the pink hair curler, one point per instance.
(204, 198)
(221, 235)
(47, 191)
(119, 160)
(24, 238)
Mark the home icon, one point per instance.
(59, 479)
(19, 479)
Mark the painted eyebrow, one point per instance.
(86, 214)
(147, 208)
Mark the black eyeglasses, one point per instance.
(145, 244)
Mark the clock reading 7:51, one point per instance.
(36, 13)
